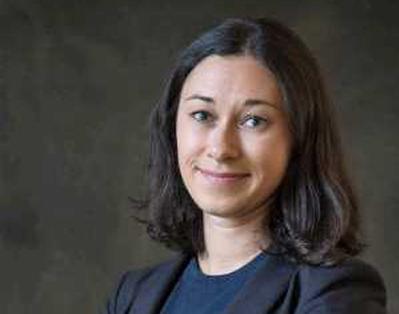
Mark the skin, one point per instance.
(233, 144)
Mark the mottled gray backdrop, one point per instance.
(77, 82)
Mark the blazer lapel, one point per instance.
(262, 292)
(155, 289)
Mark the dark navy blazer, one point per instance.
(279, 287)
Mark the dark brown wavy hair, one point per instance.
(314, 212)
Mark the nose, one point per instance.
(224, 143)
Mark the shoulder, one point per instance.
(125, 290)
(131, 279)
(130, 282)
(352, 286)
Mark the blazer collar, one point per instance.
(262, 291)
(156, 288)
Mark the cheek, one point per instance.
(269, 156)
(188, 143)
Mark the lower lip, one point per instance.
(222, 180)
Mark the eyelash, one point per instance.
(196, 113)
(259, 120)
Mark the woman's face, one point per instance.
(233, 138)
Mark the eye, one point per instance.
(252, 122)
(200, 116)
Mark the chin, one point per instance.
(220, 209)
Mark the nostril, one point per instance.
(224, 151)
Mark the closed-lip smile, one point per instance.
(222, 175)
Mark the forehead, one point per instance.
(232, 78)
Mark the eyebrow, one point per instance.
(249, 102)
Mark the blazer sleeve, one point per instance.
(351, 288)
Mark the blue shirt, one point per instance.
(197, 293)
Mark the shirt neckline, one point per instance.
(196, 271)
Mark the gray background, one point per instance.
(77, 81)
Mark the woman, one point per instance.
(247, 181)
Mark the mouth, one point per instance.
(222, 177)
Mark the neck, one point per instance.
(231, 243)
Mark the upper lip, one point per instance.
(219, 174)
